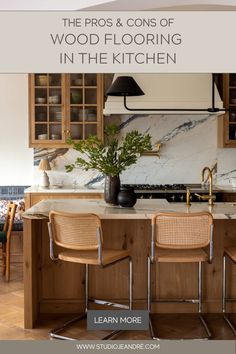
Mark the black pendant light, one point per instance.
(124, 86)
(127, 86)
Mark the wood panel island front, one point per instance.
(57, 287)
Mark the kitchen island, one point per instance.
(58, 287)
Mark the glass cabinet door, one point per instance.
(83, 102)
(63, 106)
(48, 108)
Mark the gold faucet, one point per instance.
(188, 197)
(210, 197)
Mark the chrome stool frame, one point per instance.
(55, 333)
(151, 261)
(194, 301)
(224, 294)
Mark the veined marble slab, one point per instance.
(189, 142)
(144, 209)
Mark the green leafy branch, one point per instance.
(110, 158)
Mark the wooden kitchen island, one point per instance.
(58, 287)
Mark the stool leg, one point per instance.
(115, 333)
(224, 297)
(130, 283)
(86, 287)
(200, 287)
(55, 332)
(149, 298)
(200, 300)
(224, 286)
(113, 304)
(149, 285)
(8, 261)
(153, 332)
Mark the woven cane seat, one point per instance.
(231, 253)
(180, 256)
(91, 257)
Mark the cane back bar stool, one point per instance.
(5, 239)
(80, 236)
(180, 238)
(230, 254)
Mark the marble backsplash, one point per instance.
(188, 143)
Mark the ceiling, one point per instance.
(118, 5)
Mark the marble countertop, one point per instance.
(64, 189)
(143, 209)
(195, 188)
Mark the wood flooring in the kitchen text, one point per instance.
(12, 312)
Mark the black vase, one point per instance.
(112, 188)
(127, 198)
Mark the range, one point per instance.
(171, 192)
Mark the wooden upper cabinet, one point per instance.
(227, 122)
(63, 106)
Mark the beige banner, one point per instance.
(117, 42)
(118, 346)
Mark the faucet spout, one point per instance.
(204, 170)
(210, 196)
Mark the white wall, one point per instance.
(16, 158)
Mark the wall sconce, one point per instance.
(155, 152)
(127, 86)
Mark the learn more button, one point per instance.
(118, 320)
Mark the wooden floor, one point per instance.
(169, 326)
